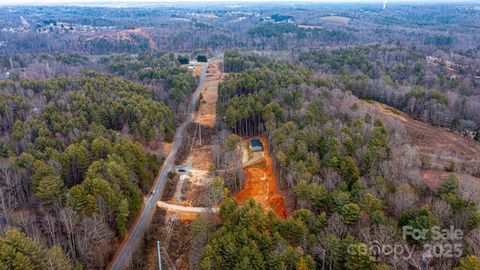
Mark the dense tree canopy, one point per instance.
(76, 146)
(335, 160)
(17, 251)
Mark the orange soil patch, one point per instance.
(184, 216)
(261, 185)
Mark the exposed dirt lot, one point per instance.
(206, 114)
(197, 70)
(260, 183)
(201, 146)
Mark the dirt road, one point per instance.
(189, 209)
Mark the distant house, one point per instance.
(4, 75)
(201, 58)
(256, 145)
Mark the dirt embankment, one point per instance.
(260, 184)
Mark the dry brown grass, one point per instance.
(309, 26)
(440, 146)
(336, 19)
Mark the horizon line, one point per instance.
(136, 3)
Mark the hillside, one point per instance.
(442, 152)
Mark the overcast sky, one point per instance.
(16, 2)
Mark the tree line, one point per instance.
(73, 166)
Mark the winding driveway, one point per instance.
(188, 209)
(131, 242)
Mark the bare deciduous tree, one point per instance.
(69, 221)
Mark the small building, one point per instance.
(256, 145)
(4, 75)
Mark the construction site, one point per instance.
(260, 182)
(187, 192)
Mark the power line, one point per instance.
(159, 255)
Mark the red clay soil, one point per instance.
(260, 184)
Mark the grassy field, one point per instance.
(336, 19)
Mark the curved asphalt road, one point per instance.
(122, 258)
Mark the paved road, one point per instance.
(190, 209)
(131, 243)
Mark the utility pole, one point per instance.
(159, 256)
(200, 132)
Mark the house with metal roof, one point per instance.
(256, 145)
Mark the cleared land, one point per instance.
(260, 184)
(127, 36)
(207, 111)
(304, 26)
(189, 187)
(195, 176)
(336, 19)
(438, 146)
(200, 158)
(430, 139)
